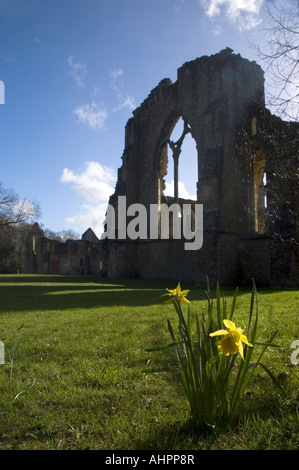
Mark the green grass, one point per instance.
(75, 354)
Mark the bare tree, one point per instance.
(279, 55)
(62, 235)
(14, 210)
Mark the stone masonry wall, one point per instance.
(221, 100)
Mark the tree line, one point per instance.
(17, 217)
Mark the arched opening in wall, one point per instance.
(260, 192)
(182, 174)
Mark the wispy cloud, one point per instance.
(245, 14)
(78, 71)
(5, 58)
(178, 5)
(124, 99)
(94, 115)
(116, 73)
(94, 183)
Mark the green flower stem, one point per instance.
(208, 376)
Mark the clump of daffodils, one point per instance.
(207, 365)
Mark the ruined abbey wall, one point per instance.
(47, 256)
(239, 145)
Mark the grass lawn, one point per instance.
(75, 352)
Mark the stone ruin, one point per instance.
(47, 256)
(247, 181)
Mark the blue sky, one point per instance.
(74, 70)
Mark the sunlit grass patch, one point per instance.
(75, 354)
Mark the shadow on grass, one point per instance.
(31, 292)
(58, 292)
(179, 437)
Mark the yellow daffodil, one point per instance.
(175, 294)
(233, 339)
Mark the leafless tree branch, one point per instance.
(279, 55)
(14, 210)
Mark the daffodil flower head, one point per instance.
(232, 340)
(175, 294)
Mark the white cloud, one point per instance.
(91, 216)
(95, 183)
(183, 192)
(91, 114)
(78, 71)
(243, 13)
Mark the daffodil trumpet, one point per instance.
(232, 342)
